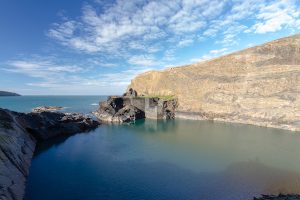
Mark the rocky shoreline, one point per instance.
(234, 119)
(19, 133)
(278, 197)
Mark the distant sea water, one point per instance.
(83, 104)
(159, 160)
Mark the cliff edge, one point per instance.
(259, 85)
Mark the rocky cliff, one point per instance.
(16, 150)
(259, 85)
(19, 133)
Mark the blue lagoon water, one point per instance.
(160, 160)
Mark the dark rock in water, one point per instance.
(129, 113)
(4, 93)
(279, 197)
(18, 135)
(116, 110)
(130, 108)
(47, 108)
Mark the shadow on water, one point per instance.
(167, 160)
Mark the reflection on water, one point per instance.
(167, 160)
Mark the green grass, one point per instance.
(165, 98)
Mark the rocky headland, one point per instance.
(19, 133)
(5, 93)
(259, 86)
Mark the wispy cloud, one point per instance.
(212, 54)
(276, 16)
(143, 60)
(41, 68)
(118, 39)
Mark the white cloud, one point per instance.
(275, 16)
(41, 68)
(212, 54)
(72, 79)
(185, 42)
(148, 27)
(145, 34)
(218, 51)
(141, 21)
(143, 60)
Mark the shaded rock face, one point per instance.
(279, 197)
(18, 135)
(131, 107)
(16, 150)
(116, 110)
(260, 86)
(46, 125)
(130, 93)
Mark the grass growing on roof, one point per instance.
(165, 98)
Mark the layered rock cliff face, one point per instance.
(18, 135)
(16, 150)
(259, 85)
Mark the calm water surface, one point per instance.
(165, 160)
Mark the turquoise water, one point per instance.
(164, 160)
(84, 104)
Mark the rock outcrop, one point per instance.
(131, 107)
(47, 125)
(5, 93)
(16, 150)
(19, 133)
(259, 85)
(47, 108)
(116, 110)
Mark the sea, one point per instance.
(159, 159)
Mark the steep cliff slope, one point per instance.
(259, 85)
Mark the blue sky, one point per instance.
(91, 47)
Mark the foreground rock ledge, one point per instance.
(279, 197)
(19, 133)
